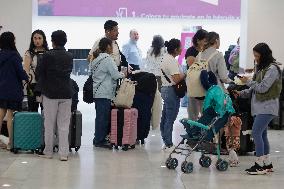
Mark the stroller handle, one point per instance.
(197, 124)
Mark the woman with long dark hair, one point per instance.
(265, 89)
(38, 45)
(11, 77)
(154, 57)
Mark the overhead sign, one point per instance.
(188, 9)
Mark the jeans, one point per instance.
(169, 113)
(259, 133)
(103, 113)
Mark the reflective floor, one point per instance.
(142, 167)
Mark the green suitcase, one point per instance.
(27, 131)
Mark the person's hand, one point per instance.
(130, 69)
(244, 79)
(124, 71)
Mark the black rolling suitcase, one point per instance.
(278, 122)
(75, 132)
(246, 141)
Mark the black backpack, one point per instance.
(75, 99)
(88, 90)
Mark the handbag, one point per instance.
(156, 111)
(88, 90)
(180, 88)
(125, 94)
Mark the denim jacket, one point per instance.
(105, 74)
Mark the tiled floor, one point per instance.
(142, 167)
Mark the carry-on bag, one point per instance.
(246, 141)
(124, 128)
(27, 131)
(75, 132)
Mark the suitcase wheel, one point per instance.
(77, 148)
(15, 150)
(70, 150)
(132, 146)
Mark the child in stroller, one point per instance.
(217, 108)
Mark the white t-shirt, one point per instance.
(170, 67)
(115, 55)
(152, 64)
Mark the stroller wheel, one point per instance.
(205, 161)
(222, 165)
(171, 163)
(187, 167)
(174, 163)
(168, 163)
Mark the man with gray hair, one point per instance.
(131, 51)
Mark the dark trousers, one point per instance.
(143, 103)
(32, 103)
(103, 113)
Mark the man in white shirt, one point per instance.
(111, 32)
(131, 51)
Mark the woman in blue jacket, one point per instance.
(105, 75)
(11, 76)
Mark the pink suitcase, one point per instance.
(124, 128)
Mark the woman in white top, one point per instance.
(170, 76)
(154, 57)
(38, 46)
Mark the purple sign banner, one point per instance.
(190, 9)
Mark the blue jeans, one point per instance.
(103, 113)
(169, 114)
(259, 133)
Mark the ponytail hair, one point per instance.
(103, 44)
(172, 45)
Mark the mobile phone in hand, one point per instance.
(238, 76)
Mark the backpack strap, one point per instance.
(212, 55)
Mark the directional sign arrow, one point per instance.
(213, 2)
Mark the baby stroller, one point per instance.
(198, 138)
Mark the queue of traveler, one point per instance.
(108, 64)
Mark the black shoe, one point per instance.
(256, 170)
(268, 168)
(103, 145)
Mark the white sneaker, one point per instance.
(168, 148)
